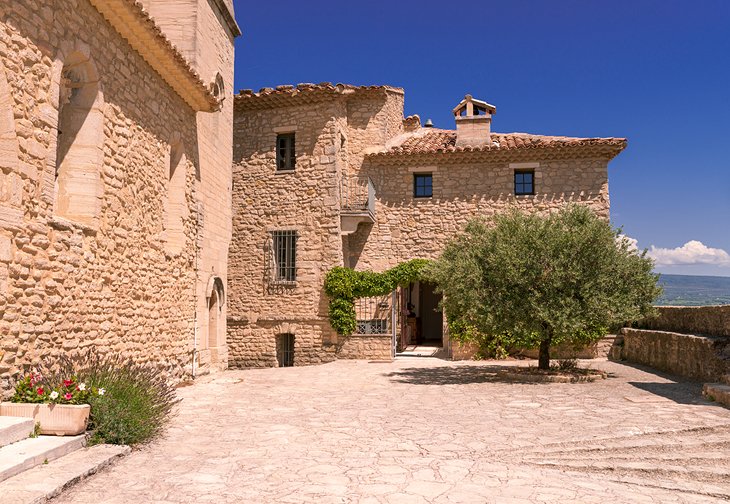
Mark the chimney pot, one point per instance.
(473, 122)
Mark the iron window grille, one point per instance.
(286, 158)
(422, 185)
(285, 256)
(285, 350)
(524, 182)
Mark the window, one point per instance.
(285, 155)
(285, 256)
(80, 142)
(422, 185)
(285, 350)
(524, 182)
(372, 326)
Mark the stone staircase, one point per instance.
(34, 469)
(719, 392)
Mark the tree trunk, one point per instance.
(544, 359)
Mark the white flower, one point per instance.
(82, 386)
(54, 395)
(102, 391)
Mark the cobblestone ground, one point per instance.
(428, 431)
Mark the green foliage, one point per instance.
(131, 403)
(563, 278)
(344, 286)
(37, 388)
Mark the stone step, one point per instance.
(23, 455)
(13, 429)
(718, 392)
(46, 481)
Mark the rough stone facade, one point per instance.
(87, 256)
(705, 358)
(690, 341)
(350, 199)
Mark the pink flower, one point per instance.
(67, 383)
(67, 396)
(39, 390)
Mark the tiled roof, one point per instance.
(304, 93)
(135, 24)
(439, 141)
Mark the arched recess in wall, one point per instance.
(215, 295)
(78, 188)
(10, 182)
(176, 205)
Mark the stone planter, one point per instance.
(54, 419)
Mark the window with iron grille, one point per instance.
(285, 350)
(285, 256)
(372, 326)
(524, 182)
(285, 155)
(422, 185)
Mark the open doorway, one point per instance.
(423, 323)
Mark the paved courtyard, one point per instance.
(428, 431)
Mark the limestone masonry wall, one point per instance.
(408, 227)
(712, 320)
(704, 358)
(110, 282)
(305, 200)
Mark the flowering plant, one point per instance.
(34, 388)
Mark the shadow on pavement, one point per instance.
(679, 392)
(453, 375)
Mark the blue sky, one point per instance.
(654, 71)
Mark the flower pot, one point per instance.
(54, 419)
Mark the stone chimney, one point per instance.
(473, 122)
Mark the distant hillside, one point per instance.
(693, 290)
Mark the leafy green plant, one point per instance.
(132, 403)
(344, 286)
(544, 280)
(36, 388)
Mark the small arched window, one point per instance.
(79, 147)
(176, 206)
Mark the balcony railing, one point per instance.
(357, 204)
(357, 194)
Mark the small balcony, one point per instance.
(357, 206)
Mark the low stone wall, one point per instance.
(697, 357)
(365, 346)
(710, 320)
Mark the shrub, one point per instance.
(136, 402)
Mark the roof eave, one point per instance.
(133, 23)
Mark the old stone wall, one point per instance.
(365, 346)
(198, 29)
(407, 227)
(697, 357)
(111, 284)
(304, 200)
(711, 320)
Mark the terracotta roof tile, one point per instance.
(438, 141)
(303, 93)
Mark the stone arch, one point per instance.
(10, 182)
(218, 87)
(215, 297)
(176, 204)
(78, 186)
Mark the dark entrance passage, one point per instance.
(432, 318)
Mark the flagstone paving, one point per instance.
(428, 431)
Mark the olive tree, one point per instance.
(544, 280)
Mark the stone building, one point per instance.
(115, 154)
(329, 175)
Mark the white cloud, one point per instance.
(633, 243)
(692, 252)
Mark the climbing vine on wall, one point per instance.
(344, 286)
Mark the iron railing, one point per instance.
(357, 194)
